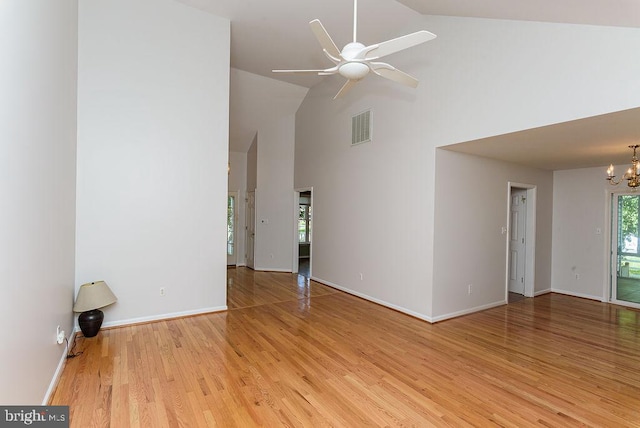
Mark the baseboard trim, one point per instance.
(56, 375)
(581, 295)
(540, 293)
(469, 311)
(418, 315)
(162, 317)
(373, 299)
(264, 269)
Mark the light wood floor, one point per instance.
(302, 354)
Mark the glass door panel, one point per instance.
(626, 281)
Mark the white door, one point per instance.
(250, 227)
(232, 228)
(517, 240)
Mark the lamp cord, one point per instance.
(70, 354)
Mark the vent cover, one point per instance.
(361, 128)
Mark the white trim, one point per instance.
(541, 292)
(268, 269)
(574, 294)
(56, 375)
(608, 245)
(625, 304)
(407, 311)
(469, 311)
(161, 317)
(374, 300)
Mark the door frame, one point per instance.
(296, 204)
(613, 251)
(236, 195)
(250, 228)
(530, 243)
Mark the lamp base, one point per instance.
(90, 322)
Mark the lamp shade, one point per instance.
(93, 295)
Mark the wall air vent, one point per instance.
(361, 128)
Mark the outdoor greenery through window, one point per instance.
(304, 223)
(231, 208)
(628, 228)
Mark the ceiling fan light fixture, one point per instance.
(354, 70)
(355, 60)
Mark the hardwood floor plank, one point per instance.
(302, 354)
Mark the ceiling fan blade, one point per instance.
(345, 88)
(398, 44)
(298, 71)
(390, 72)
(324, 38)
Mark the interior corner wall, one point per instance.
(375, 204)
(469, 217)
(38, 80)
(153, 114)
(369, 206)
(274, 196)
(581, 228)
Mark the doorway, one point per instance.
(232, 227)
(625, 252)
(521, 241)
(303, 236)
(250, 228)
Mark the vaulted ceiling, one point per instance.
(275, 34)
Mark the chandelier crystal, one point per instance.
(632, 175)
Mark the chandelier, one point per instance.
(632, 175)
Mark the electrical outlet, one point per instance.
(60, 336)
(470, 289)
(162, 291)
(361, 276)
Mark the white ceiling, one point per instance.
(275, 34)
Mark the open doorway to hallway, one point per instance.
(302, 264)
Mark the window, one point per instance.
(628, 213)
(231, 214)
(304, 223)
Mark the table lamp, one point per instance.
(91, 297)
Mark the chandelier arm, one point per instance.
(612, 181)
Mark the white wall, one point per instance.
(238, 183)
(470, 212)
(38, 52)
(581, 204)
(252, 165)
(273, 111)
(153, 114)
(375, 204)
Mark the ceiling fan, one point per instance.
(356, 60)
